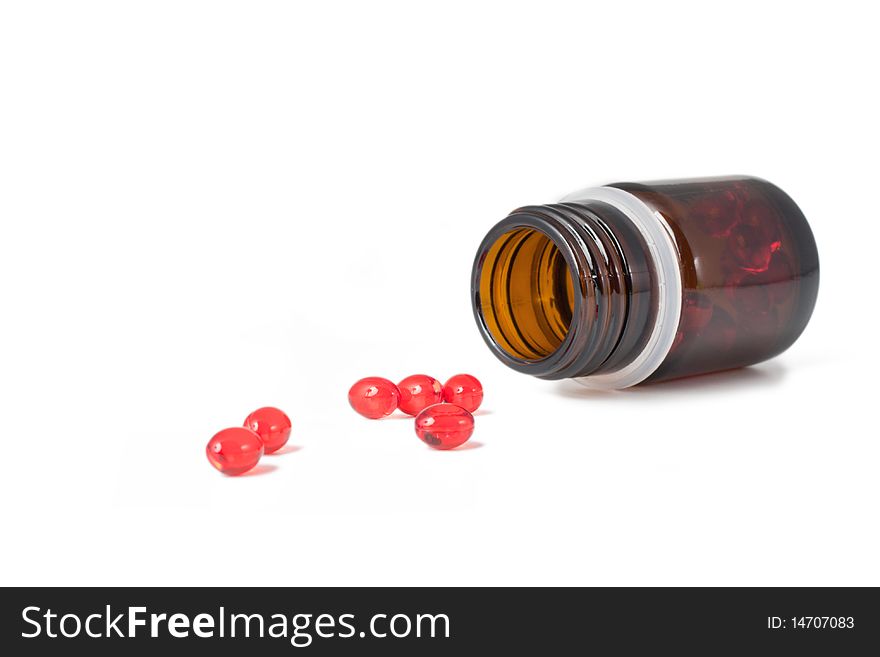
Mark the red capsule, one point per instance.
(717, 214)
(271, 425)
(444, 426)
(750, 249)
(696, 312)
(721, 331)
(750, 300)
(754, 241)
(374, 397)
(676, 343)
(234, 451)
(779, 278)
(417, 392)
(465, 391)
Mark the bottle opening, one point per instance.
(526, 294)
(575, 290)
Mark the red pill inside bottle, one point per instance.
(444, 426)
(272, 425)
(464, 390)
(234, 451)
(374, 397)
(417, 392)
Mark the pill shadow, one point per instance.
(259, 470)
(287, 449)
(403, 416)
(468, 446)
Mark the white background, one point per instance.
(208, 207)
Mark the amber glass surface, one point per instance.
(564, 290)
(749, 265)
(529, 294)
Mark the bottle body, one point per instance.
(636, 282)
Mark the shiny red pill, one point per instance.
(374, 397)
(444, 426)
(463, 390)
(234, 451)
(272, 425)
(417, 392)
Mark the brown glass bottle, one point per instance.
(636, 282)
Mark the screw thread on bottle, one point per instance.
(563, 290)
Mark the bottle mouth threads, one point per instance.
(526, 291)
(567, 291)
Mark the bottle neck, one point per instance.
(566, 290)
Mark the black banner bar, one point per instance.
(438, 621)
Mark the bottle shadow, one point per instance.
(763, 376)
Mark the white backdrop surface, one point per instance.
(208, 207)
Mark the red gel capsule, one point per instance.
(234, 451)
(417, 392)
(464, 390)
(717, 214)
(272, 426)
(374, 397)
(754, 241)
(696, 312)
(444, 426)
